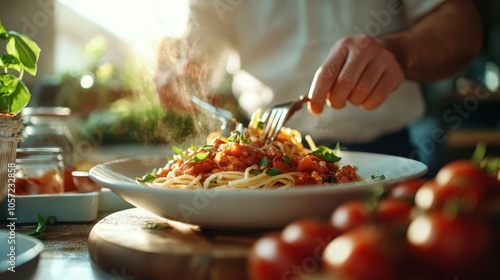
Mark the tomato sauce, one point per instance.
(50, 182)
(237, 156)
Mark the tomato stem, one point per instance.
(479, 153)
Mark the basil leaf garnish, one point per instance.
(263, 162)
(237, 137)
(273, 171)
(148, 178)
(286, 159)
(199, 157)
(254, 172)
(177, 150)
(326, 153)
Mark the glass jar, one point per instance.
(39, 171)
(47, 127)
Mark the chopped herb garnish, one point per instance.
(177, 150)
(207, 147)
(193, 148)
(254, 172)
(326, 153)
(148, 178)
(199, 157)
(377, 176)
(260, 125)
(157, 226)
(273, 171)
(43, 222)
(213, 181)
(286, 159)
(237, 137)
(336, 151)
(263, 162)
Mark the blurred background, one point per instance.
(98, 57)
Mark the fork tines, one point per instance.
(275, 117)
(273, 121)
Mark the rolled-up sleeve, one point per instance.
(414, 9)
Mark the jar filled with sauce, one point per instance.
(39, 171)
(48, 127)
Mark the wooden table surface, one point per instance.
(66, 245)
(65, 254)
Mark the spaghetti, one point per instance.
(242, 161)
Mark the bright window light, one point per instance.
(87, 81)
(139, 24)
(130, 19)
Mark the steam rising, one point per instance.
(183, 71)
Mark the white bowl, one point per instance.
(237, 209)
(20, 263)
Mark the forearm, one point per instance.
(183, 70)
(440, 43)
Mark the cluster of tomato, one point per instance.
(447, 227)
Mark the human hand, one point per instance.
(174, 88)
(360, 70)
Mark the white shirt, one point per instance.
(283, 42)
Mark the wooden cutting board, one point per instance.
(125, 245)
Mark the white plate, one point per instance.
(23, 259)
(247, 208)
(66, 207)
(110, 202)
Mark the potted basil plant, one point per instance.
(20, 56)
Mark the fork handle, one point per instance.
(211, 109)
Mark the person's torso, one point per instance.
(282, 44)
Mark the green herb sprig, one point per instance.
(147, 178)
(273, 171)
(199, 157)
(43, 222)
(21, 54)
(237, 137)
(378, 176)
(263, 162)
(326, 154)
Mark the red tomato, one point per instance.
(311, 236)
(447, 198)
(350, 215)
(391, 211)
(493, 187)
(450, 243)
(460, 174)
(406, 190)
(355, 213)
(272, 258)
(463, 180)
(359, 254)
(431, 196)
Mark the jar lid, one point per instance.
(45, 115)
(23, 152)
(46, 111)
(39, 155)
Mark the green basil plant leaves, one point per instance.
(21, 55)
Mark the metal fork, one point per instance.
(229, 123)
(275, 118)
